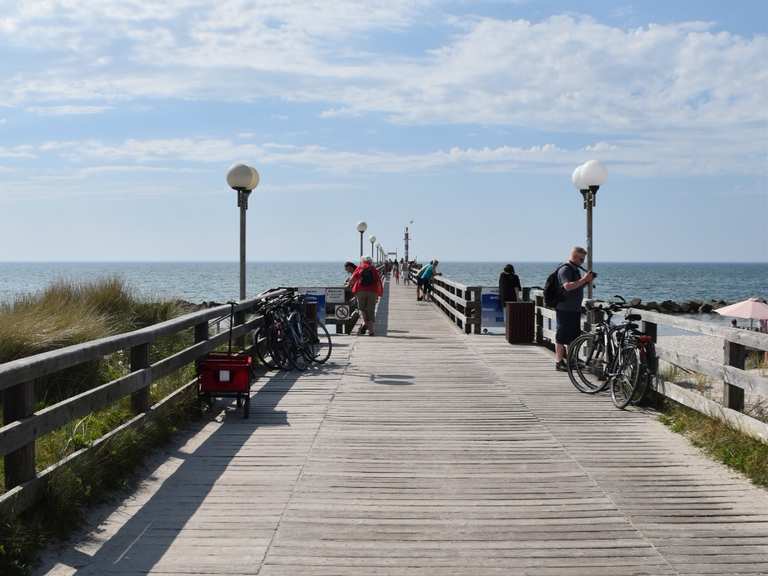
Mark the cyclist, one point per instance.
(367, 287)
(568, 309)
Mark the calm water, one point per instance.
(219, 281)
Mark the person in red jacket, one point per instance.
(367, 287)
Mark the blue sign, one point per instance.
(492, 314)
(317, 296)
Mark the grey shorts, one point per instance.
(366, 303)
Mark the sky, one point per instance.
(120, 118)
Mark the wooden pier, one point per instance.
(422, 451)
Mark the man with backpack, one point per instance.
(367, 287)
(564, 290)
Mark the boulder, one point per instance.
(692, 306)
(635, 302)
(705, 308)
(652, 306)
(671, 307)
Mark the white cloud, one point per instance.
(18, 152)
(683, 89)
(656, 156)
(67, 110)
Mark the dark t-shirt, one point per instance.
(507, 284)
(571, 298)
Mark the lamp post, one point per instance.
(361, 227)
(243, 179)
(587, 179)
(407, 239)
(372, 240)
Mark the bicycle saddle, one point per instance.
(633, 317)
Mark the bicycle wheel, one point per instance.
(318, 343)
(648, 367)
(263, 349)
(586, 359)
(299, 356)
(624, 381)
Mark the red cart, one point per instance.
(226, 375)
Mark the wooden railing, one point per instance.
(459, 302)
(730, 373)
(23, 425)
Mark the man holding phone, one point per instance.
(568, 309)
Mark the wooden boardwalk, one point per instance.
(425, 451)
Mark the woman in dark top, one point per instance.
(509, 284)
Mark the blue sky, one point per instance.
(119, 119)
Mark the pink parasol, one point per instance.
(751, 309)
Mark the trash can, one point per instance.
(520, 324)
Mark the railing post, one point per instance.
(310, 309)
(650, 329)
(240, 319)
(201, 332)
(477, 310)
(735, 355)
(19, 403)
(539, 304)
(140, 400)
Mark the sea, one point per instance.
(218, 281)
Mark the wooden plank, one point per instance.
(547, 312)
(23, 431)
(747, 338)
(746, 380)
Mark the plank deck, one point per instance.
(426, 451)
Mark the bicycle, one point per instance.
(614, 355)
(590, 353)
(287, 339)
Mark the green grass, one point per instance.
(720, 441)
(70, 313)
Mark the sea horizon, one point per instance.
(199, 281)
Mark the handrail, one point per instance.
(45, 363)
(23, 426)
(461, 303)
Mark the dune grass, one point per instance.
(719, 441)
(69, 313)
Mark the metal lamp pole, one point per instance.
(372, 240)
(243, 179)
(587, 178)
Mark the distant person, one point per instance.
(406, 269)
(509, 287)
(424, 280)
(396, 271)
(349, 268)
(367, 287)
(734, 324)
(568, 309)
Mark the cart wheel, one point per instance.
(204, 400)
(247, 406)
